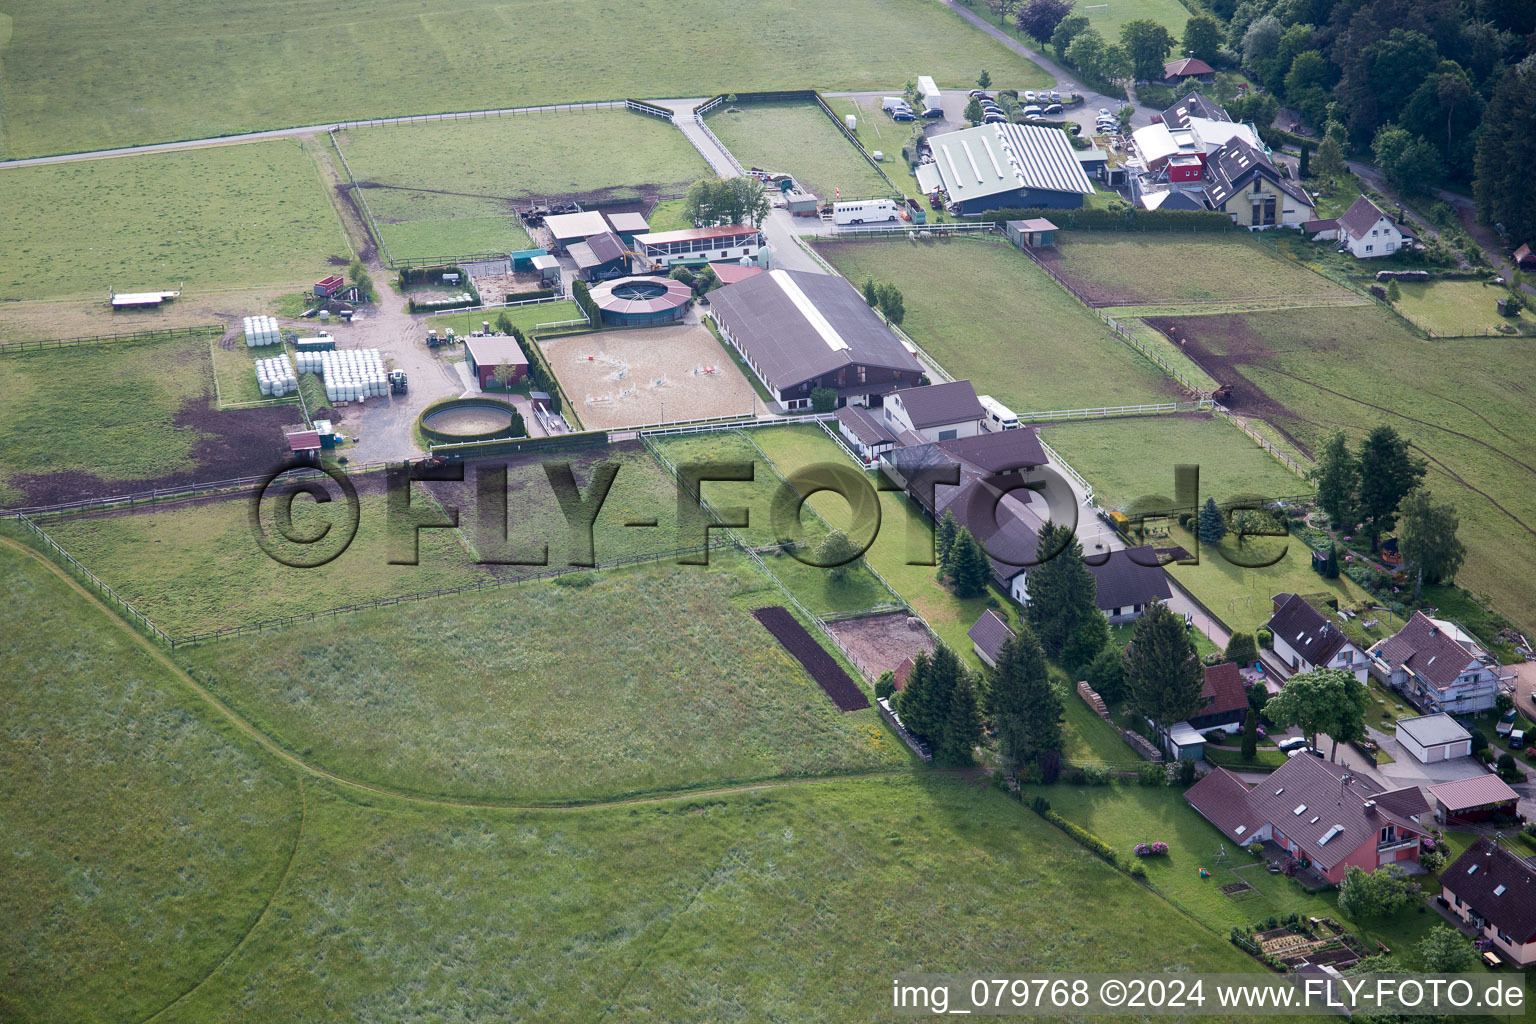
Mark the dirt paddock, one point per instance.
(648, 375)
(881, 642)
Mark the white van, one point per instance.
(998, 416)
(864, 211)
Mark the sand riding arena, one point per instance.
(648, 375)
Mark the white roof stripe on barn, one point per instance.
(808, 310)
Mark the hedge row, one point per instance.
(1082, 835)
(538, 293)
(410, 276)
(1127, 220)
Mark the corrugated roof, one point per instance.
(796, 325)
(303, 440)
(730, 273)
(1478, 791)
(995, 158)
(690, 234)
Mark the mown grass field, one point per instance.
(234, 372)
(984, 311)
(798, 139)
(524, 318)
(439, 239)
(197, 567)
(1154, 267)
(1133, 457)
(1464, 404)
(1107, 18)
(109, 411)
(651, 678)
(225, 217)
(1452, 308)
(140, 840)
(541, 155)
(160, 74)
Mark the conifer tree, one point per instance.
(969, 569)
(1061, 589)
(1022, 703)
(1212, 525)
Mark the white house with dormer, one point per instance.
(1368, 233)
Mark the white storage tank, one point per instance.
(851, 121)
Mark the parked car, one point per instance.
(995, 119)
(1294, 743)
(1104, 112)
(1516, 739)
(1029, 96)
(1506, 723)
(1055, 96)
(1053, 110)
(903, 115)
(980, 94)
(1033, 111)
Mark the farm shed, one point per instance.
(1524, 258)
(627, 226)
(1434, 738)
(485, 355)
(548, 267)
(600, 257)
(988, 635)
(1036, 233)
(1474, 799)
(866, 435)
(567, 228)
(1002, 165)
(1177, 71)
(730, 273)
(523, 258)
(305, 445)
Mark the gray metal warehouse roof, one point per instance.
(994, 158)
(796, 325)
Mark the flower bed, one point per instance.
(1158, 849)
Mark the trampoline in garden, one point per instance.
(635, 301)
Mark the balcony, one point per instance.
(1393, 845)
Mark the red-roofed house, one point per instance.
(1223, 698)
(1304, 640)
(1317, 811)
(1177, 71)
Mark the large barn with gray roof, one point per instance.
(801, 331)
(995, 166)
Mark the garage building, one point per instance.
(484, 355)
(1009, 165)
(1434, 738)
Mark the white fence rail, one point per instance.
(1154, 409)
(1067, 467)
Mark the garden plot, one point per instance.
(649, 375)
(820, 665)
(1451, 309)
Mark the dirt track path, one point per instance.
(272, 746)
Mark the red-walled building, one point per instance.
(1317, 811)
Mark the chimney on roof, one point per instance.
(1370, 807)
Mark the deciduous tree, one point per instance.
(1324, 700)
(1242, 649)
(1203, 37)
(1364, 895)
(1148, 44)
(1427, 540)
(1068, 29)
(1039, 18)
(1445, 951)
(839, 554)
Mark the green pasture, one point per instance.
(798, 139)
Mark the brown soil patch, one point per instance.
(1095, 292)
(618, 371)
(236, 443)
(1223, 346)
(881, 642)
